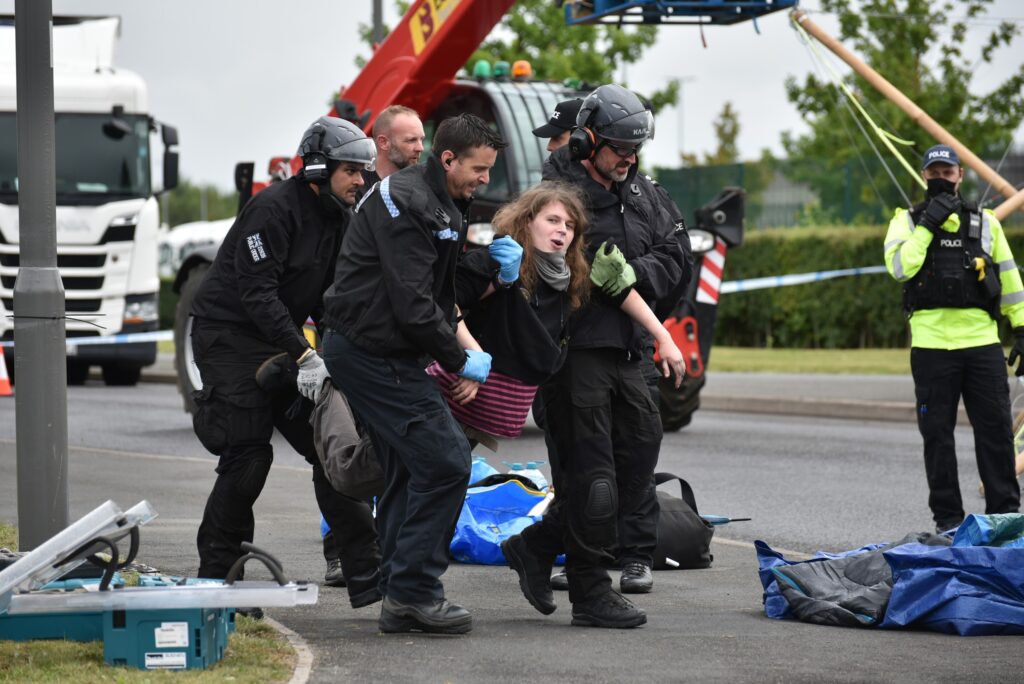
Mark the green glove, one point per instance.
(610, 271)
(607, 265)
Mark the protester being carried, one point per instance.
(517, 304)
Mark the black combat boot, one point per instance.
(610, 609)
(534, 574)
(436, 617)
(636, 578)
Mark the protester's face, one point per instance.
(552, 228)
(954, 173)
(468, 172)
(346, 181)
(611, 165)
(557, 141)
(405, 140)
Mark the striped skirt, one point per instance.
(500, 407)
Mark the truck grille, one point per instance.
(63, 260)
(70, 305)
(70, 282)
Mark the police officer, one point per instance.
(636, 541)
(398, 136)
(392, 304)
(600, 416)
(560, 125)
(268, 277)
(958, 276)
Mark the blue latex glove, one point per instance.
(478, 366)
(509, 254)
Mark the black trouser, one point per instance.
(236, 420)
(638, 528)
(979, 375)
(607, 433)
(425, 457)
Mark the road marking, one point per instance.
(800, 555)
(161, 457)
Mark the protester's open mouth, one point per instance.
(558, 244)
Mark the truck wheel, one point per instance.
(115, 375)
(184, 364)
(78, 371)
(678, 405)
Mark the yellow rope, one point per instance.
(885, 136)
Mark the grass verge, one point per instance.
(256, 654)
(8, 537)
(848, 361)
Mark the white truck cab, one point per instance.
(107, 212)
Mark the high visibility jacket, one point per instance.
(906, 247)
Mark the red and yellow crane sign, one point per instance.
(427, 21)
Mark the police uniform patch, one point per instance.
(257, 250)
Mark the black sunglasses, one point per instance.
(625, 150)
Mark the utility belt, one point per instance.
(958, 272)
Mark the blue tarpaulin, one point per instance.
(974, 587)
(965, 590)
(489, 516)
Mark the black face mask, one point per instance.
(938, 186)
(330, 202)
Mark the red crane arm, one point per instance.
(416, 63)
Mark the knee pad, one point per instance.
(250, 476)
(602, 501)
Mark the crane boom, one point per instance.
(416, 63)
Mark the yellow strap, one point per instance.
(886, 137)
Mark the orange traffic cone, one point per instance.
(5, 382)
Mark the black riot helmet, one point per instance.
(330, 141)
(613, 114)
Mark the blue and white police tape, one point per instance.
(126, 338)
(726, 288)
(795, 279)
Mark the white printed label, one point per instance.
(166, 661)
(171, 635)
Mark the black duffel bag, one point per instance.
(683, 535)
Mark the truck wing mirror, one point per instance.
(169, 134)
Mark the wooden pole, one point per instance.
(1004, 209)
(916, 114)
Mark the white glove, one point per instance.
(312, 373)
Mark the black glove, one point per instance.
(1017, 353)
(938, 210)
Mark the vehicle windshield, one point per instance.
(96, 161)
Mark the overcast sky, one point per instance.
(242, 80)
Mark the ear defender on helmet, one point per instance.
(314, 161)
(582, 143)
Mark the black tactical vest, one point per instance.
(948, 279)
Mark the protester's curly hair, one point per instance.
(514, 219)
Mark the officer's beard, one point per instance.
(939, 186)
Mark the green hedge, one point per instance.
(852, 312)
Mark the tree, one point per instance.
(727, 129)
(535, 30)
(185, 203)
(917, 45)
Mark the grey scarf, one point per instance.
(552, 269)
